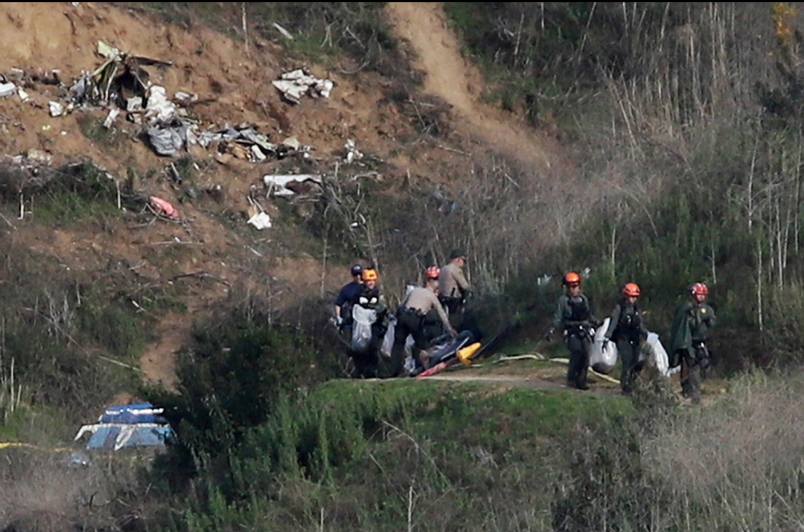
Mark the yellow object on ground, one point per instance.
(465, 354)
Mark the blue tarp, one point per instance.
(132, 425)
(114, 437)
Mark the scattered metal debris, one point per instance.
(352, 153)
(7, 89)
(295, 84)
(288, 185)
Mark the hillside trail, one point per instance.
(454, 79)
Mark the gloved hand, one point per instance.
(337, 321)
(549, 335)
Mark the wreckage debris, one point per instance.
(121, 84)
(295, 84)
(288, 185)
(164, 208)
(7, 89)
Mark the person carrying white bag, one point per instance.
(602, 353)
(627, 332)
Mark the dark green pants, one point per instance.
(694, 361)
(578, 344)
(629, 357)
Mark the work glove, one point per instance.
(549, 335)
(337, 321)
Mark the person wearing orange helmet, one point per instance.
(692, 324)
(410, 320)
(627, 331)
(574, 315)
(367, 362)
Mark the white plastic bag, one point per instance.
(656, 355)
(388, 340)
(362, 318)
(602, 360)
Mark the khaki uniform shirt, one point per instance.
(424, 300)
(452, 282)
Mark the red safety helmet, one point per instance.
(699, 289)
(369, 275)
(631, 290)
(432, 272)
(572, 279)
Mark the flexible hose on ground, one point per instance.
(539, 356)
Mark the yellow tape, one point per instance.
(7, 445)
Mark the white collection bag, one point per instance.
(656, 355)
(362, 318)
(602, 360)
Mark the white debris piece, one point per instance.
(38, 156)
(7, 89)
(278, 184)
(165, 141)
(22, 94)
(261, 221)
(134, 104)
(159, 109)
(352, 153)
(184, 98)
(295, 84)
(55, 108)
(110, 118)
(285, 33)
(107, 51)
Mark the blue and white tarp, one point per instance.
(132, 425)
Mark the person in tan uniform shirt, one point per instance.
(453, 287)
(410, 318)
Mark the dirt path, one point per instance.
(452, 78)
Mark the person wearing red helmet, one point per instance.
(627, 331)
(410, 318)
(692, 324)
(574, 315)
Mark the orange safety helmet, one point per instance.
(631, 290)
(369, 275)
(572, 279)
(699, 289)
(432, 272)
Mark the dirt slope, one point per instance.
(450, 76)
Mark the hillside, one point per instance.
(233, 86)
(625, 141)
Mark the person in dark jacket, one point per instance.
(627, 331)
(342, 311)
(692, 324)
(574, 315)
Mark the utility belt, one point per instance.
(410, 312)
(701, 354)
(452, 304)
(582, 331)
